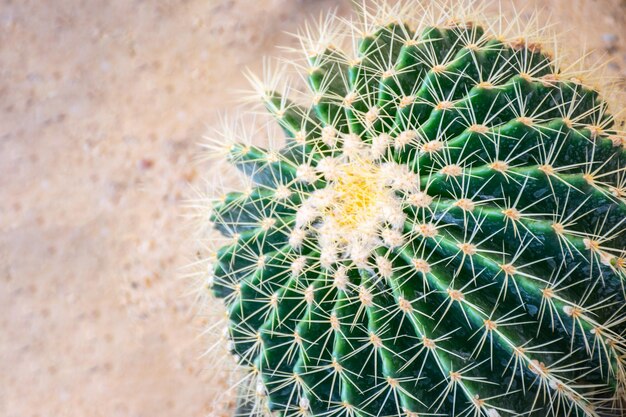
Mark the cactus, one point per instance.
(441, 233)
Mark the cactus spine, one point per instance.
(441, 234)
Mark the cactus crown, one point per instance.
(441, 234)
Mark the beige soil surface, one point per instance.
(102, 106)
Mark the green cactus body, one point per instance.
(442, 234)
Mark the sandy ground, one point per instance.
(102, 106)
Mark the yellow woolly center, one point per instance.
(357, 211)
(358, 188)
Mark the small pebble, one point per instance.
(609, 38)
(610, 42)
(146, 163)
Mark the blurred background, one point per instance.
(103, 104)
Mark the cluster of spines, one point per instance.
(539, 247)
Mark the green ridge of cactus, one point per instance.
(441, 234)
